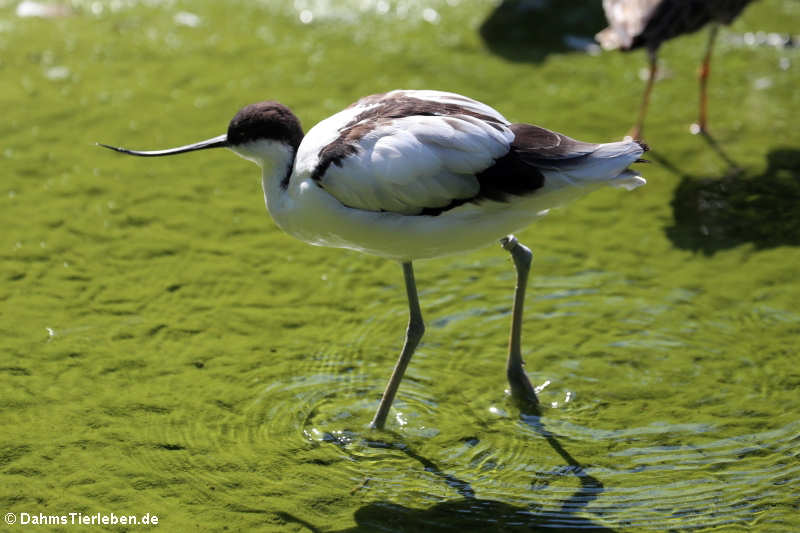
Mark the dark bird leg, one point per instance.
(705, 70)
(414, 332)
(636, 132)
(521, 388)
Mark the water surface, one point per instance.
(166, 349)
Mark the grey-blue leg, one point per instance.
(521, 387)
(414, 332)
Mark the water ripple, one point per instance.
(464, 451)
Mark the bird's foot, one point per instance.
(522, 390)
(699, 129)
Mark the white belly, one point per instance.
(313, 216)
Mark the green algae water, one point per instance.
(165, 349)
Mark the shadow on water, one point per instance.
(530, 30)
(717, 213)
(471, 513)
(717, 148)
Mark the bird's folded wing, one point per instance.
(416, 163)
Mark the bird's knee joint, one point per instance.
(522, 257)
(520, 253)
(415, 330)
(509, 242)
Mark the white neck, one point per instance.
(276, 160)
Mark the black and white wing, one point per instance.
(405, 151)
(425, 152)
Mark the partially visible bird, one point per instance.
(409, 175)
(648, 23)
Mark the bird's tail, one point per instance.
(607, 163)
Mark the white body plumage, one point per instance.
(371, 202)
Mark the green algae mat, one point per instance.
(168, 355)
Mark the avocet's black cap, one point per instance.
(265, 120)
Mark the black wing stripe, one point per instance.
(519, 172)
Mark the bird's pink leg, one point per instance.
(705, 70)
(521, 387)
(414, 332)
(636, 131)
